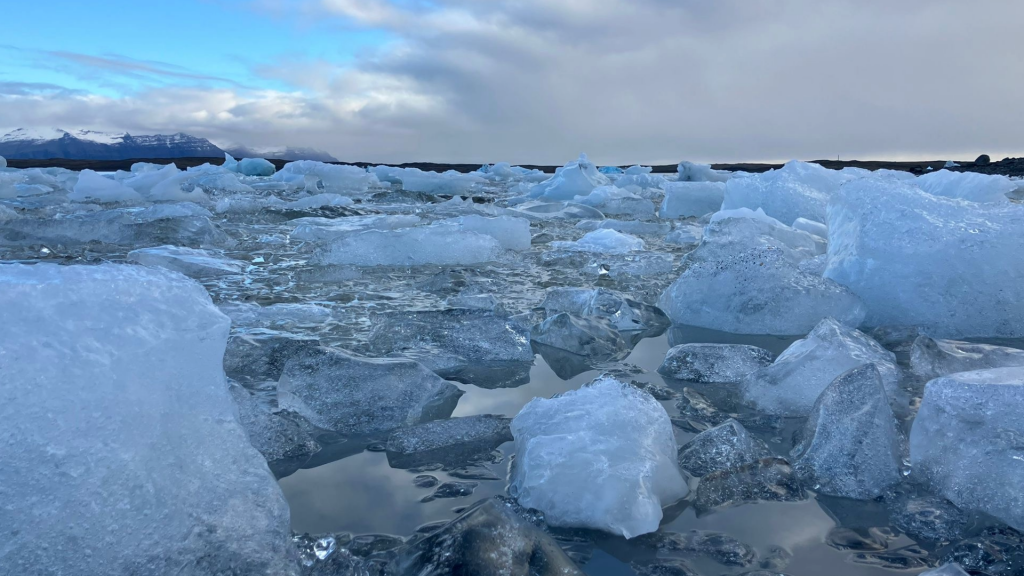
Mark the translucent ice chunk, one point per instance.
(713, 362)
(686, 199)
(624, 314)
(449, 442)
(930, 358)
(725, 446)
(191, 262)
(593, 338)
(92, 187)
(603, 241)
(256, 167)
(410, 247)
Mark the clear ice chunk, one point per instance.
(713, 362)
(449, 442)
(851, 446)
(192, 262)
(624, 314)
(691, 199)
(592, 337)
(931, 358)
(792, 384)
(350, 395)
(725, 446)
(968, 439)
(437, 244)
(600, 457)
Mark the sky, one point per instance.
(529, 81)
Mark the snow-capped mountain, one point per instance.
(92, 145)
(287, 153)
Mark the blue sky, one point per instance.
(166, 42)
(529, 81)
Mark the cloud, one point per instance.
(536, 81)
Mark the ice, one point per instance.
(92, 187)
(967, 185)
(256, 167)
(476, 302)
(3, 163)
(449, 442)
(624, 314)
(589, 337)
(691, 199)
(351, 395)
(537, 211)
(686, 235)
(915, 259)
(320, 229)
(189, 261)
(491, 537)
(641, 183)
(335, 178)
(626, 226)
(260, 355)
(757, 291)
(122, 450)
(416, 180)
(577, 178)
(319, 201)
(614, 200)
(511, 233)
(851, 446)
(230, 163)
(690, 172)
(797, 190)
(966, 442)
(930, 358)
(600, 457)
(454, 342)
(436, 244)
(725, 446)
(144, 180)
(713, 362)
(766, 479)
(947, 570)
(604, 241)
(736, 230)
(790, 386)
(811, 227)
(277, 436)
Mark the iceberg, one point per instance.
(690, 172)
(930, 358)
(191, 262)
(791, 384)
(725, 446)
(600, 457)
(577, 178)
(970, 186)
(436, 244)
(616, 201)
(713, 362)
(624, 314)
(92, 187)
(256, 167)
(945, 265)
(797, 190)
(591, 337)
(966, 441)
(511, 233)
(334, 178)
(117, 395)
(603, 241)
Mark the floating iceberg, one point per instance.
(798, 376)
(690, 172)
(967, 185)
(256, 167)
(691, 199)
(851, 446)
(335, 178)
(757, 291)
(577, 178)
(600, 457)
(592, 338)
(966, 441)
(604, 241)
(117, 395)
(352, 395)
(616, 201)
(797, 190)
(92, 187)
(436, 244)
(725, 446)
(742, 228)
(624, 314)
(915, 259)
(811, 227)
(511, 233)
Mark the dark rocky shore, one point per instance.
(1006, 166)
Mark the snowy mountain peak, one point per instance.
(45, 134)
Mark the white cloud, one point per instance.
(625, 80)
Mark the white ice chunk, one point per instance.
(335, 178)
(811, 227)
(690, 172)
(966, 442)
(604, 241)
(601, 457)
(438, 244)
(92, 187)
(967, 185)
(614, 200)
(949, 266)
(947, 570)
(577, 178)
(742, 228)
(319, 201)
(190, 262)
(147, 177)
(851, 446)
(691, 199)
(256, 167)
(229, 163)
(318, 229)
(511, 233)
(120, 437)
(3, 163)
(797, 377)
(757, 291)
(626, 226)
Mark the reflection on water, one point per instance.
(359, 493)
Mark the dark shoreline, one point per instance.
(1006, 167)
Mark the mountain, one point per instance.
(92, 145)
(287, 153)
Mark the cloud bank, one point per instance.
(655, 81)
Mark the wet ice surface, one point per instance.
(289, 260)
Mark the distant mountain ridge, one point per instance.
(82, 144)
